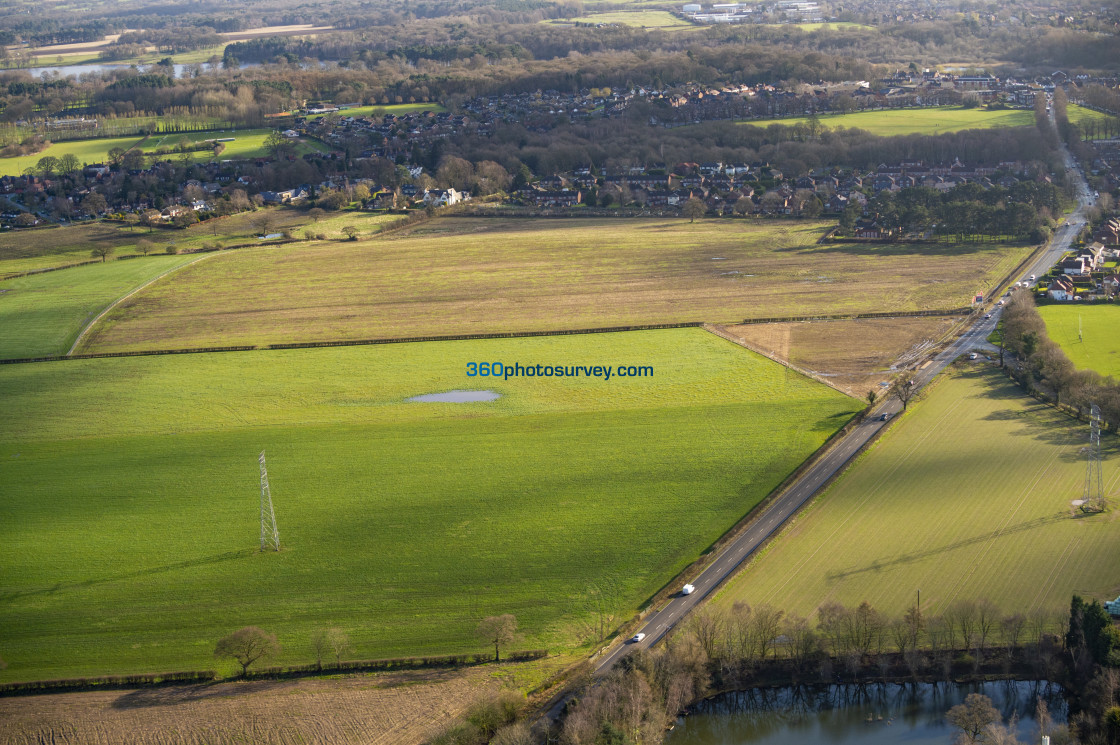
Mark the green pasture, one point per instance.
(87, 151)
(246, 144)
(933, 120)
(1081, 115)
(42, 314)
(967, 497)
(1098, 347)
(462, 275)
(129, 526)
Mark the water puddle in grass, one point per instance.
(457, 397)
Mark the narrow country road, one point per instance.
(804, 488)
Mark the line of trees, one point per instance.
(1041, 366)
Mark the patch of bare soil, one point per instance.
(854, 356)
(376, 709)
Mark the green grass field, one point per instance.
(967, 497)
(87, 151)
(1099, 347)
(129, 527)
(247, 143)
(42, 314)
(1081, 115)
(939, 120)
(455, 276)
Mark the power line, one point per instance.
(270, 536)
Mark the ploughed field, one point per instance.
(967, 498)
(129, 520)
(470, 275)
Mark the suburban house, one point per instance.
(554, 198)
(441, 198)
(1111, 284)
(1061, 288)
(1077, 266)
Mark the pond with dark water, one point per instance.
(874, 714)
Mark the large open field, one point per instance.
(454, 276)
(129, 525)
(42, 314)
(27, 250)
(87, 151)
(939, 120)
(636, 18)
(968, 497)
(1099, 346)
(247, 143)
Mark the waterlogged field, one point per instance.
(967, 497)
(43, 314)
(939, 120)
(457, 276)
(129, 527)
(1098, 347)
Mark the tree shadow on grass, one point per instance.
(189, 564)
(911, 558)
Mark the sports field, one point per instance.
(456, 276)
(967, 497)
(934, 120)
(129, 527)
(1099, 346)
(42, 314)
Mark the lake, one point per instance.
(849, 715)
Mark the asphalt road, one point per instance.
(661, 622)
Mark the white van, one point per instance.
(687, 590)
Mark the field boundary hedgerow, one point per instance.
(150, 680)
(359, 342)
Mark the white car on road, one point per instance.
(637, 638)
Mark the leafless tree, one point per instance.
(498, 630)
(247, 646)
(905, 389)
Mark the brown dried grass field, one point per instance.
(379, 709)
(464, 275)
(852, 355)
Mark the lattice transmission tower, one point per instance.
(270, 536)
(1093, 498)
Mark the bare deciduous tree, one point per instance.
(247, 645)
(498, 630)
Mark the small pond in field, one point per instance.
(457, 397)
(874, 714)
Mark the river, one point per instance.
(856, 715)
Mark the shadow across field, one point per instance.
(151, 571)
(177, 695)
(911, 558)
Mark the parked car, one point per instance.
(973, 356)
(637, 638)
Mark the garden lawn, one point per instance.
(129, 524)
(966, 498)
(43, 314)
(1099, 346)
(470, 275)
(932, 120)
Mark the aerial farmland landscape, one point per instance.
(559, 371)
